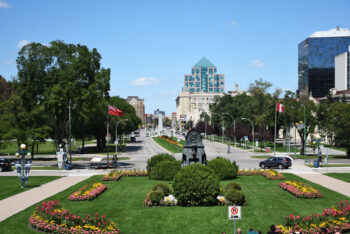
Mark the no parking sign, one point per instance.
(234, 212)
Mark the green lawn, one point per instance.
(330, 165)
(335, 147)
(123, 203)
(168, 146)
(309, 157)
(340, 176)
(11, 185)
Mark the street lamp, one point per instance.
(23, 166)
(222, 122)
(252, 130)
(116, 135)
(304, 132)
(234, 126)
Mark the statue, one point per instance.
(193, 149)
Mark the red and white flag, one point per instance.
(115, 111)
(280, 107)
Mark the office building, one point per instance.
(204, 78)
(316, 60)
(159, 112)
(342, 71)
(139, 106)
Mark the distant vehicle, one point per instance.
(147, 134)
(137, 133)
(5, 164)
(279, 162)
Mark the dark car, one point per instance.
(5, 164)
(279, 162)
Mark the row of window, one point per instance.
(203, 70)
(197, 78)
(204, 85)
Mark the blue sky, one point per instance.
(150, 45)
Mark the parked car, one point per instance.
(147, 134)
(279, 162)
(5, 164)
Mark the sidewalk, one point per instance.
(14, 204)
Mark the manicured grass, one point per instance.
(309, 157)
(340, 176)
(335, 147)
(167, 145)
(11, 185)
(123, 203)
(330, 165)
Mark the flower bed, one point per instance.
(169, 139)
(117, 174)
(272, 175)
(300, 189)
(249, 172)
(332, 220)
(165, 201)
(88, 192)
(51, 217)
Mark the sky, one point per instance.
(150, 45)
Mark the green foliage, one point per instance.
(156, 196)
(234, 196)
(155, 159)
(165, 170)
(232, 185)
(161, 187)
(223, 168)
(196, 185)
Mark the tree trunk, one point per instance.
(33, 147)
(348, 152)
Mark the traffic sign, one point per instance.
(234, 212)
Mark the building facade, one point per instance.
(204, 78)
(316, 60)
(342, 71)
(139, 105)
(159, 112)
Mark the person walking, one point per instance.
(228, 149)
(319, 153)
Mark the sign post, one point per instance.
(234, 213)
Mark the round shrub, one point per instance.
(196, 185)
(157, 158)
(223, 168)
(165, 170)
(161, 187)
(156, 196)
(232, 185)
(234, 196)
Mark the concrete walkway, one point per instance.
(14, 204)
(328, 182)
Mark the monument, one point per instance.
(193, 149)
(160, 124)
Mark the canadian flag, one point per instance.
(279, 107)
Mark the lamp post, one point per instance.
(234, 126)
(304, 132)
(252, 130)
(295, 140)
(222, 122)
(116, 135)
(23, 167)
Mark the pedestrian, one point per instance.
(228, 149)
(239, 231)
(272, 230)
(319, 153)
(252, 231)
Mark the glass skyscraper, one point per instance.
(316, 57)
(204, 78)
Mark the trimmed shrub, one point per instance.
(157, 158)
(156, 196)
(165, 170)
(223, 168)
(161, 187)
(232, 185)
(235, 197)
(196, 185)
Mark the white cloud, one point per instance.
(233, 23)
(4, 4)
(144, 81)
(256, 63)
(22, 43)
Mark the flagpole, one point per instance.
(107, 140)
(274, 142)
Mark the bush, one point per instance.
(196, 185)
(223, 168)
(165, 170)
(232, 185)
(235, 197)
(161, 187)
(156, 196)
(155, 159)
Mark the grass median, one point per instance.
(169, 146)
(340, 176)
